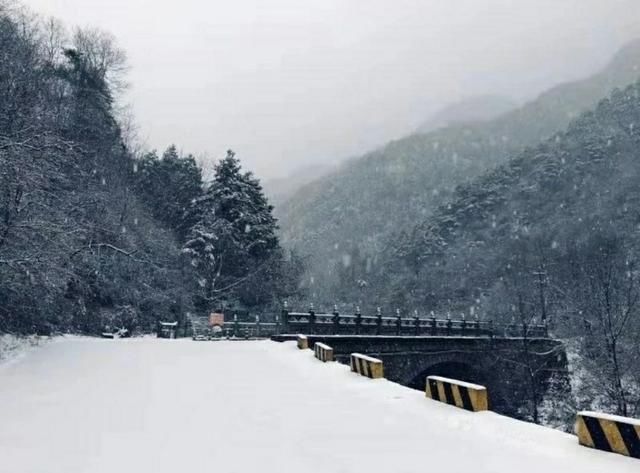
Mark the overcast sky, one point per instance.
(288, 83)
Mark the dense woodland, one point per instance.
(94, 234)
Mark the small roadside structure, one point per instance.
(118, 333)
(167, 329)
(216, 322)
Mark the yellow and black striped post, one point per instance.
(323, 352)
(367, 366)
(303, 342)
(471, 397)
(609, 433)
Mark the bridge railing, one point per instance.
(357, 324)
(240, 329)
(251, 329)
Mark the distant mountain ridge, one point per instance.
(280, 189)
(568, 202)
(472, 109)
(344, 220)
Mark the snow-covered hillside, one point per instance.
(12, 347)
(146, 405)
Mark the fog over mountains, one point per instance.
(472, 109)
(353, 213)
(290, 84)
(478, 108)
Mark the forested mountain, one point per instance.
(344, 220)
(551, 235)
(90, 233)
(280, 189)
(484, 107)
(472, 109)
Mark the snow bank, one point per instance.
(12, 347)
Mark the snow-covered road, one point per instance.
(147, 405)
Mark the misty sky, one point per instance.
(287, 83)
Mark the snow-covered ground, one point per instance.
(91, 405)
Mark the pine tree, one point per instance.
(234, 240)
(170, 184)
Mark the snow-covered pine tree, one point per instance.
(234, 240)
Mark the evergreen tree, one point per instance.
(170, 185)
(234, 240)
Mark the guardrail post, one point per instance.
(358, 320)
(378, 321)
(416, 321)
(491, 328)
(463, 324)
(477, 325)
(336, 320)
(398, 322)
(235, 325)
(312, 319)
(366, 366)
(449, 324)
(434, 324)
(285, 318)
(257, 326)
(472, 397)
(277, 329)
(604, 432)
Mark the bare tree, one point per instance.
(102, 57)
(609, 296)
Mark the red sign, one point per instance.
(216, 318)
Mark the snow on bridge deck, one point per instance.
(85, 405)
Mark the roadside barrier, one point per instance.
(609, 433)
(303, 342)
(323, 352)
(367, 366)
(471, 397)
